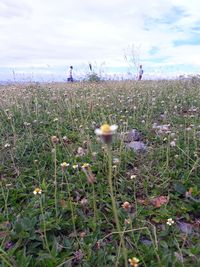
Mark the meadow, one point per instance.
(69, 197)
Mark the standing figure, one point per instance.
(140, 73)
(70, 79)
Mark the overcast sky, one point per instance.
(48, 34)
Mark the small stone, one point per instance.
(137, 146)
(186, 228)
(133, 135)
(146, 241)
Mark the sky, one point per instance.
(40, 39)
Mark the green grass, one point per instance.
(73, 222)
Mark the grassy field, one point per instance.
(68, 198)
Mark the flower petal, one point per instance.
(98, 132)
(113, 127)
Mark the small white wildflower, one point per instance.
(116, 161)
(7, 145)
(172, 143)
(27, 123)
(170, 221)
(133, 176)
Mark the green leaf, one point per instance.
(180, 188)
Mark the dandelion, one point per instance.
(189, 192)
(37, 191)
(170, 221)
(65, 140)
(134, 262)
(106, 132)
(98, 244)
(54, 139)
(75, 166)
(85, 166)
(106, 129)
(126, 205)
(84, 201)
(88, 172)
(64, 165)
(82, 234)
(127, 221)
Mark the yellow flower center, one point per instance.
(85, 165)
(64, 164)
(38, 190)
(134, 262)
(105, 128)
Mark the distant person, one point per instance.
(70, 79)
(140, 73)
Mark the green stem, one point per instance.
(114, 207)
(44, 226)
(5, 197)
(94, 206)
(72, 210)
(55, 182)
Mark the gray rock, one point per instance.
(186, 228)
(137, 146)
(146, 241)
(179, 257)
(133, 135)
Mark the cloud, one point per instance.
(35, 33)
(9, 9)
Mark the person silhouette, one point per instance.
(140, 73)
(70, 79)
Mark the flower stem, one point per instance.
(114, 206)
(44, 226)
(55, 182)
(94, 206)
